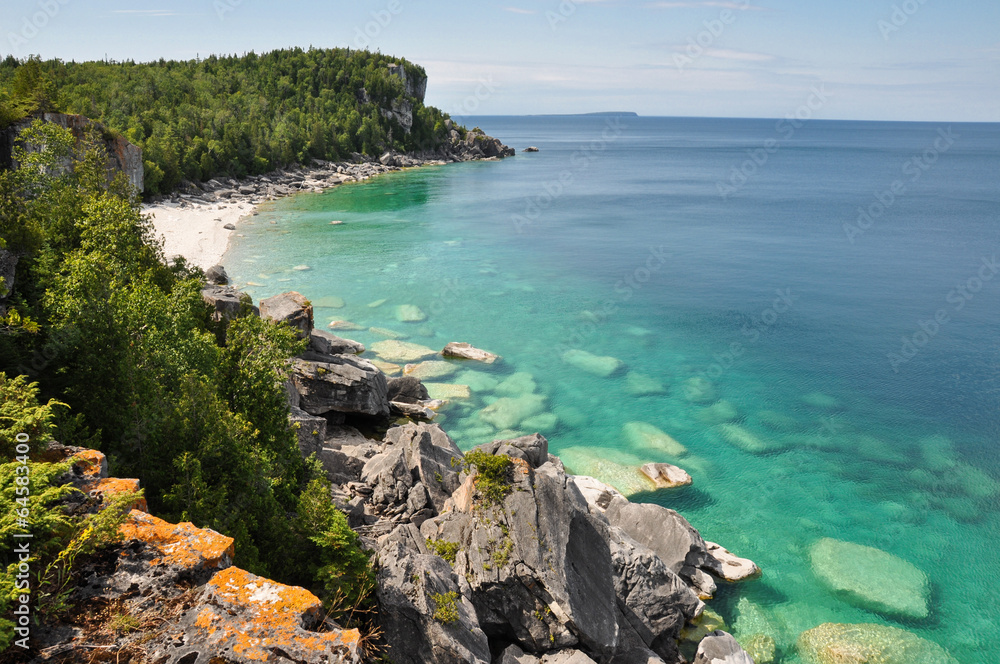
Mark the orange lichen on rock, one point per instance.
(182, 544)
(253, 616)
(111, 485)
(93, 465)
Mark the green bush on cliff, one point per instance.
(22, 415)
(340, 566)
(231, 115)
(196, 412)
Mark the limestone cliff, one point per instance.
(124, 156)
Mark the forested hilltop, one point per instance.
(236, 116)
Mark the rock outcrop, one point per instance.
(178, 580)
(525, 562)
(292, 308)
(123, 156)
(340, 383)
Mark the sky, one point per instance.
(910, 60)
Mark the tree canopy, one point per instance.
(231, 115)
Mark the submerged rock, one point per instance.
(329, 302)
(871, 578)
(430, 369)
(746, 440)
(410, 313)
(393, 350)
(821, 401)
(642, 436)
(598, 365)
(640, 385)
(448, 391)
(720, 412)
(699, 390)
(387, 333)
(508, 412)
(778, 421)
(760, 647)
(833, 643)
(517, 384)
(477, 381)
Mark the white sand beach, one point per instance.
(196, 231)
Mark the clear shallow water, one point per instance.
(616, 240)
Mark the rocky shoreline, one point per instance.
(498, 555)
(197, 220)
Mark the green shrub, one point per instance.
(494, 474)
(445, 549)
(342, 569)
(445, 607)
(21, 413)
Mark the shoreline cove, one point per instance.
(181, 220)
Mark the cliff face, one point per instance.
(414, 87)
(124, 156)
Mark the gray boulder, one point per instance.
(389, 476)
(343, 383)
(226, 302)
(406, 389)
(324, 343)
(292, 308)
(217, 275)
(654, 602)
(667, 533)
(514, 655)
(721, 648)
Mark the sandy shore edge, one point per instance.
(197, 231)
(200, 223)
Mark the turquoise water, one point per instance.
(615, 239)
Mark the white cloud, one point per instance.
(518, 10)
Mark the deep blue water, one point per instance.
(729, 250)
